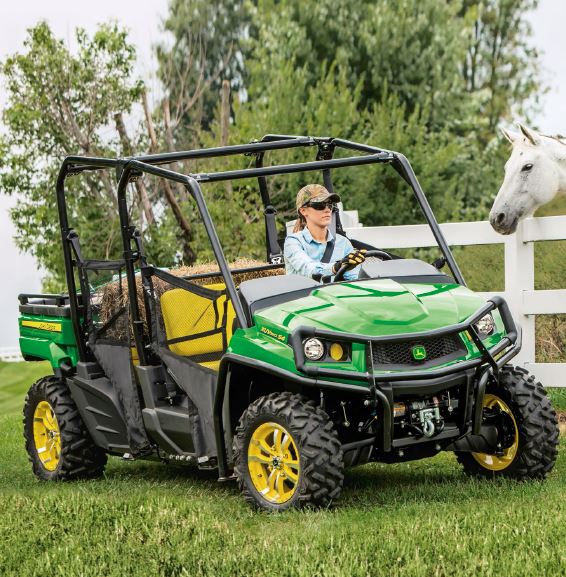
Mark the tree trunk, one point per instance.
(189, 256)
(139, 184)
(225, 127)
(181, 190)
(149, 123)
(225, 113)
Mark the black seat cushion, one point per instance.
(260, 293)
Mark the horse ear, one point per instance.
(532, 136)
(509, 135)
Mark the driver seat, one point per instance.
(261, 293)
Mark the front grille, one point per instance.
(438, 350)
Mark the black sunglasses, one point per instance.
(321, 205)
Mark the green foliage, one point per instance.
(428, 78)
(59, 104)
(411, 48)
(501, 68)
(208, 40)
(382, 72)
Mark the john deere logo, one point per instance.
(419, 353)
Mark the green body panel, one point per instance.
(255, 345)
(370, 308)
(44, 342)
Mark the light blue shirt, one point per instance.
(303, 255)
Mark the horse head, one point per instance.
(533, 177)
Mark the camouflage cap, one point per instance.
(314, 193)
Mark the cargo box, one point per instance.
(46, 329)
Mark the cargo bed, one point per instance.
(46, 330)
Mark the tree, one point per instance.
(427, 77)
(500, 67)
(59, 104)
(62, 103)
(412, 48)
(406, 61)
(286, 93)
(391, 73)
(208, 46)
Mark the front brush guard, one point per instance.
(380, 383)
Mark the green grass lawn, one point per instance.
(147, 519)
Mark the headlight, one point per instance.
(314, 349)
(486, 325)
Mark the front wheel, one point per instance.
(530, 444)
(287, 454)
(58, 444)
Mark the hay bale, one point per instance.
(212, 267)
(114, 295)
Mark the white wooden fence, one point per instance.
(10, 354)
(525, 302)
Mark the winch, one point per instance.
(423, 417)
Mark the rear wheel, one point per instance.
(287, 454)
(530, 433)
(58, 444)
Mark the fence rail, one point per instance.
(525, 302)
(10, 355)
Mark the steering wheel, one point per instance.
(376, 252)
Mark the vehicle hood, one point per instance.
(375, 307)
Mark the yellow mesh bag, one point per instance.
(188, 314)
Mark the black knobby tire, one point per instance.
(536, 422)
(79, 458)
(320, 451)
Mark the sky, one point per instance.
(143, 18)
(549, 37)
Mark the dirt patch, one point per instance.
(562, 423)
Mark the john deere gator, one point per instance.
(277, 381)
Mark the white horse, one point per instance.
(534, 174)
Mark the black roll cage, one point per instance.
(128, 169)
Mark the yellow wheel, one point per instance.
(273, 462)
(46, 435)
(58, 445)
(287, 454)
(527, 429)
(507, 456)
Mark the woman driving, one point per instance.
(311, 250)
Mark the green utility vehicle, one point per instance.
(277, 381)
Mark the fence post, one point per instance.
(520, 277)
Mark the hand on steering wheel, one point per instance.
(351, 260)
(359, 256)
